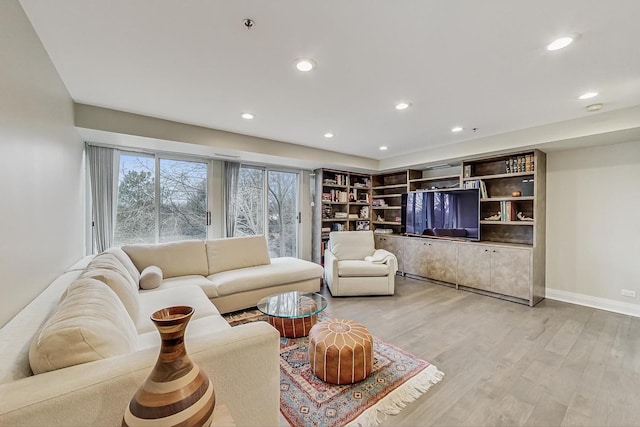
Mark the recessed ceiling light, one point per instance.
(588, 95)
(305, 64)
(402, 105)
(384, 147)
(247, 116)
(594, 107)
(328, 135)
(456, 129)
(560, 43)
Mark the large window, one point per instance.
(273, 192)
(160, 200)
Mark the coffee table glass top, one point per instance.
(292, 305)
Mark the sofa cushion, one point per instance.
(155, 300)
(355, 268)
(111, 262)
(204, 326)
(124, 288)
(175, 259)
(151, 277)
(347, 245)
(175, 282)
(236, 252)
(281, 271)
(126, 262)
(89, 324)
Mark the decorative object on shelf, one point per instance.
(380, 219)
(327, 212)
(362, 225)
(516, 194)
(527, 187)
(522, 217)
(496, 217)
(467, 171)
(176, 392)
(364, 212)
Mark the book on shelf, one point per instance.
(477, 183)
(521, 163)
(508, 210)
(340, 215)
(353, 216)
(339, 227)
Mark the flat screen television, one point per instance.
(443, 213)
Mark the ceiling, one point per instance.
(478, 65)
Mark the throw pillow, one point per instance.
(151, 277)
(89, 324)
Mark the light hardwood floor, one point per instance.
(507, 364)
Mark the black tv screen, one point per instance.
(443, 213)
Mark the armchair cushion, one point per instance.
(354, 268)
(352, 245)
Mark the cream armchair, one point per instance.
(353, 266)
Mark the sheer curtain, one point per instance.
(101, 171)
(231, 175)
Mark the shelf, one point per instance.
(359, 203)
(500, 176)
(387, 222)
(385, 196)
(435, 178)
(334, 220)
(355, 187)
(384, 187)
(386, 207)
(526, 223)
(508, 198)
(326, 202)
(334, 185)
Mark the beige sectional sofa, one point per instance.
(77, 353)
(234, 273)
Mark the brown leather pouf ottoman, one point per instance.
(340, 351)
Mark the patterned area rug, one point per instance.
(397, 378)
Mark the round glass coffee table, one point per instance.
(292, 313)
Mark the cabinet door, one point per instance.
(392, 244)
(442, 261)
(474, 266)
(511, 271)
(415, 256)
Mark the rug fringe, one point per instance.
(395, 401)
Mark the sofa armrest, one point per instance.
(243, 363)
(330, 268)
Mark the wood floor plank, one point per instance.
(506, 363)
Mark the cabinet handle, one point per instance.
(494, 251)
(486, 250)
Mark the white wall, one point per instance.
(593, 233)
(41, 167)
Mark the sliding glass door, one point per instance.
(267, 203)
(283, 214)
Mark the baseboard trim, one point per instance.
(594, 302)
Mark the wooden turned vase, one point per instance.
(176, 392)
